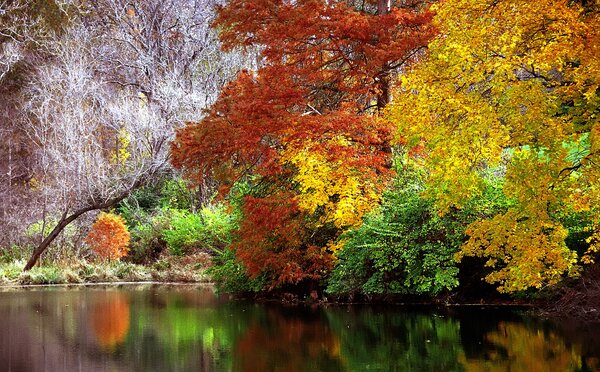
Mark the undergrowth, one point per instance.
(171, 269)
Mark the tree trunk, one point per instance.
(384, 82)
(383, 95)
(383, 6)
(60, 226)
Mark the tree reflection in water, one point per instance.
(515, 347)
(109, 317)
(285, 342)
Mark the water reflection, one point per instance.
(185, 329)
(515, 347)
(288, 341)
(110, 319)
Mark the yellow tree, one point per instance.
(511, 85)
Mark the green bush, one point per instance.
(170, 194)
(229, 275)
(177, 194)
(210, 230)
(163, 216)
(185, 231)
(146, 241)
(405, 247)
(142, 202)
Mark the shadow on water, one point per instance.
(183, 328)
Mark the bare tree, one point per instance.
(107, 94)
(77, 124)
(14, 161)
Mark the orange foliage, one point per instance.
(109, 236)
(325, 62)
(287, 344)
(110, 320)
(326, 72)
(273, 243)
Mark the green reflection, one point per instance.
(387, 341)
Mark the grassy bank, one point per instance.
(171, 269)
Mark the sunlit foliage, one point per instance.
(511, 85)
(333, 184)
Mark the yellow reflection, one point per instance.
(110, 320)
(517, 348)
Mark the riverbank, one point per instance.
(577, 300)
(78, 271)
(574, 301)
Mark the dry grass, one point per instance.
(188, 269)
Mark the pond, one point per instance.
(189, 328)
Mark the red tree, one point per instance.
(326, 72)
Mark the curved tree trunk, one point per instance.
(60, 226)
(66, 219)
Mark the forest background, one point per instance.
(340, 148)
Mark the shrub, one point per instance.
(406, 247)
(210, 229)
(176, 193)
(147, 243)
(170, 194)
(403, 248)
(230, 276)
(109, 237)
(184, 233)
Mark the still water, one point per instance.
(189, 328)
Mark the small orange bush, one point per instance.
(109, 236)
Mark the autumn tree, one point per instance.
(303, 129)
(109, 237)
(511, 87)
